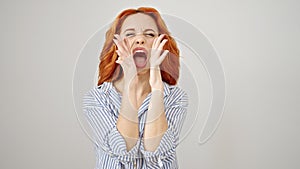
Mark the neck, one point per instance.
(143, 78)
(142, 86)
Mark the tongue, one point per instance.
(140, 61)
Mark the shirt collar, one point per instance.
(166, 89)
(107, 87)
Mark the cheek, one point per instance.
(150, 42)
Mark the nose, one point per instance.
(139, 40)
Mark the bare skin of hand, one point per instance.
(127, 123)
(156, 123)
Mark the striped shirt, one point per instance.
(101, 107)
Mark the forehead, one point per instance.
(139, 22)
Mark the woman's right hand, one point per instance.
(125, 58)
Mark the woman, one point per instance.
(136, 112)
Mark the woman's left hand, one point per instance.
(156, 52)
(156, 58)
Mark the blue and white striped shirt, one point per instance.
(101, 106)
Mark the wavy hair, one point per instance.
(109, 70)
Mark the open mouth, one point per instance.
(140, 58)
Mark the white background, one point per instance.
(258, 44)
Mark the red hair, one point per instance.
(109, 70)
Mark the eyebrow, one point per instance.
(132, 29)
(148, 30)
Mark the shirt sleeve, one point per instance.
(103, 123)
(165, 154)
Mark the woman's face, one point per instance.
(140, 30)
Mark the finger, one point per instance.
(130, 46)
(120, 54)
(157, 42)
(118, 37)
(154, 42)
(127, 46)
(119, 60)
(158, 39)
(119, 41)
(118, 44)
(122, 50)
(162, 44)
(162, 57)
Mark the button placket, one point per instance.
(160, 164)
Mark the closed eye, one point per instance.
(150, 34)
(129, 34)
